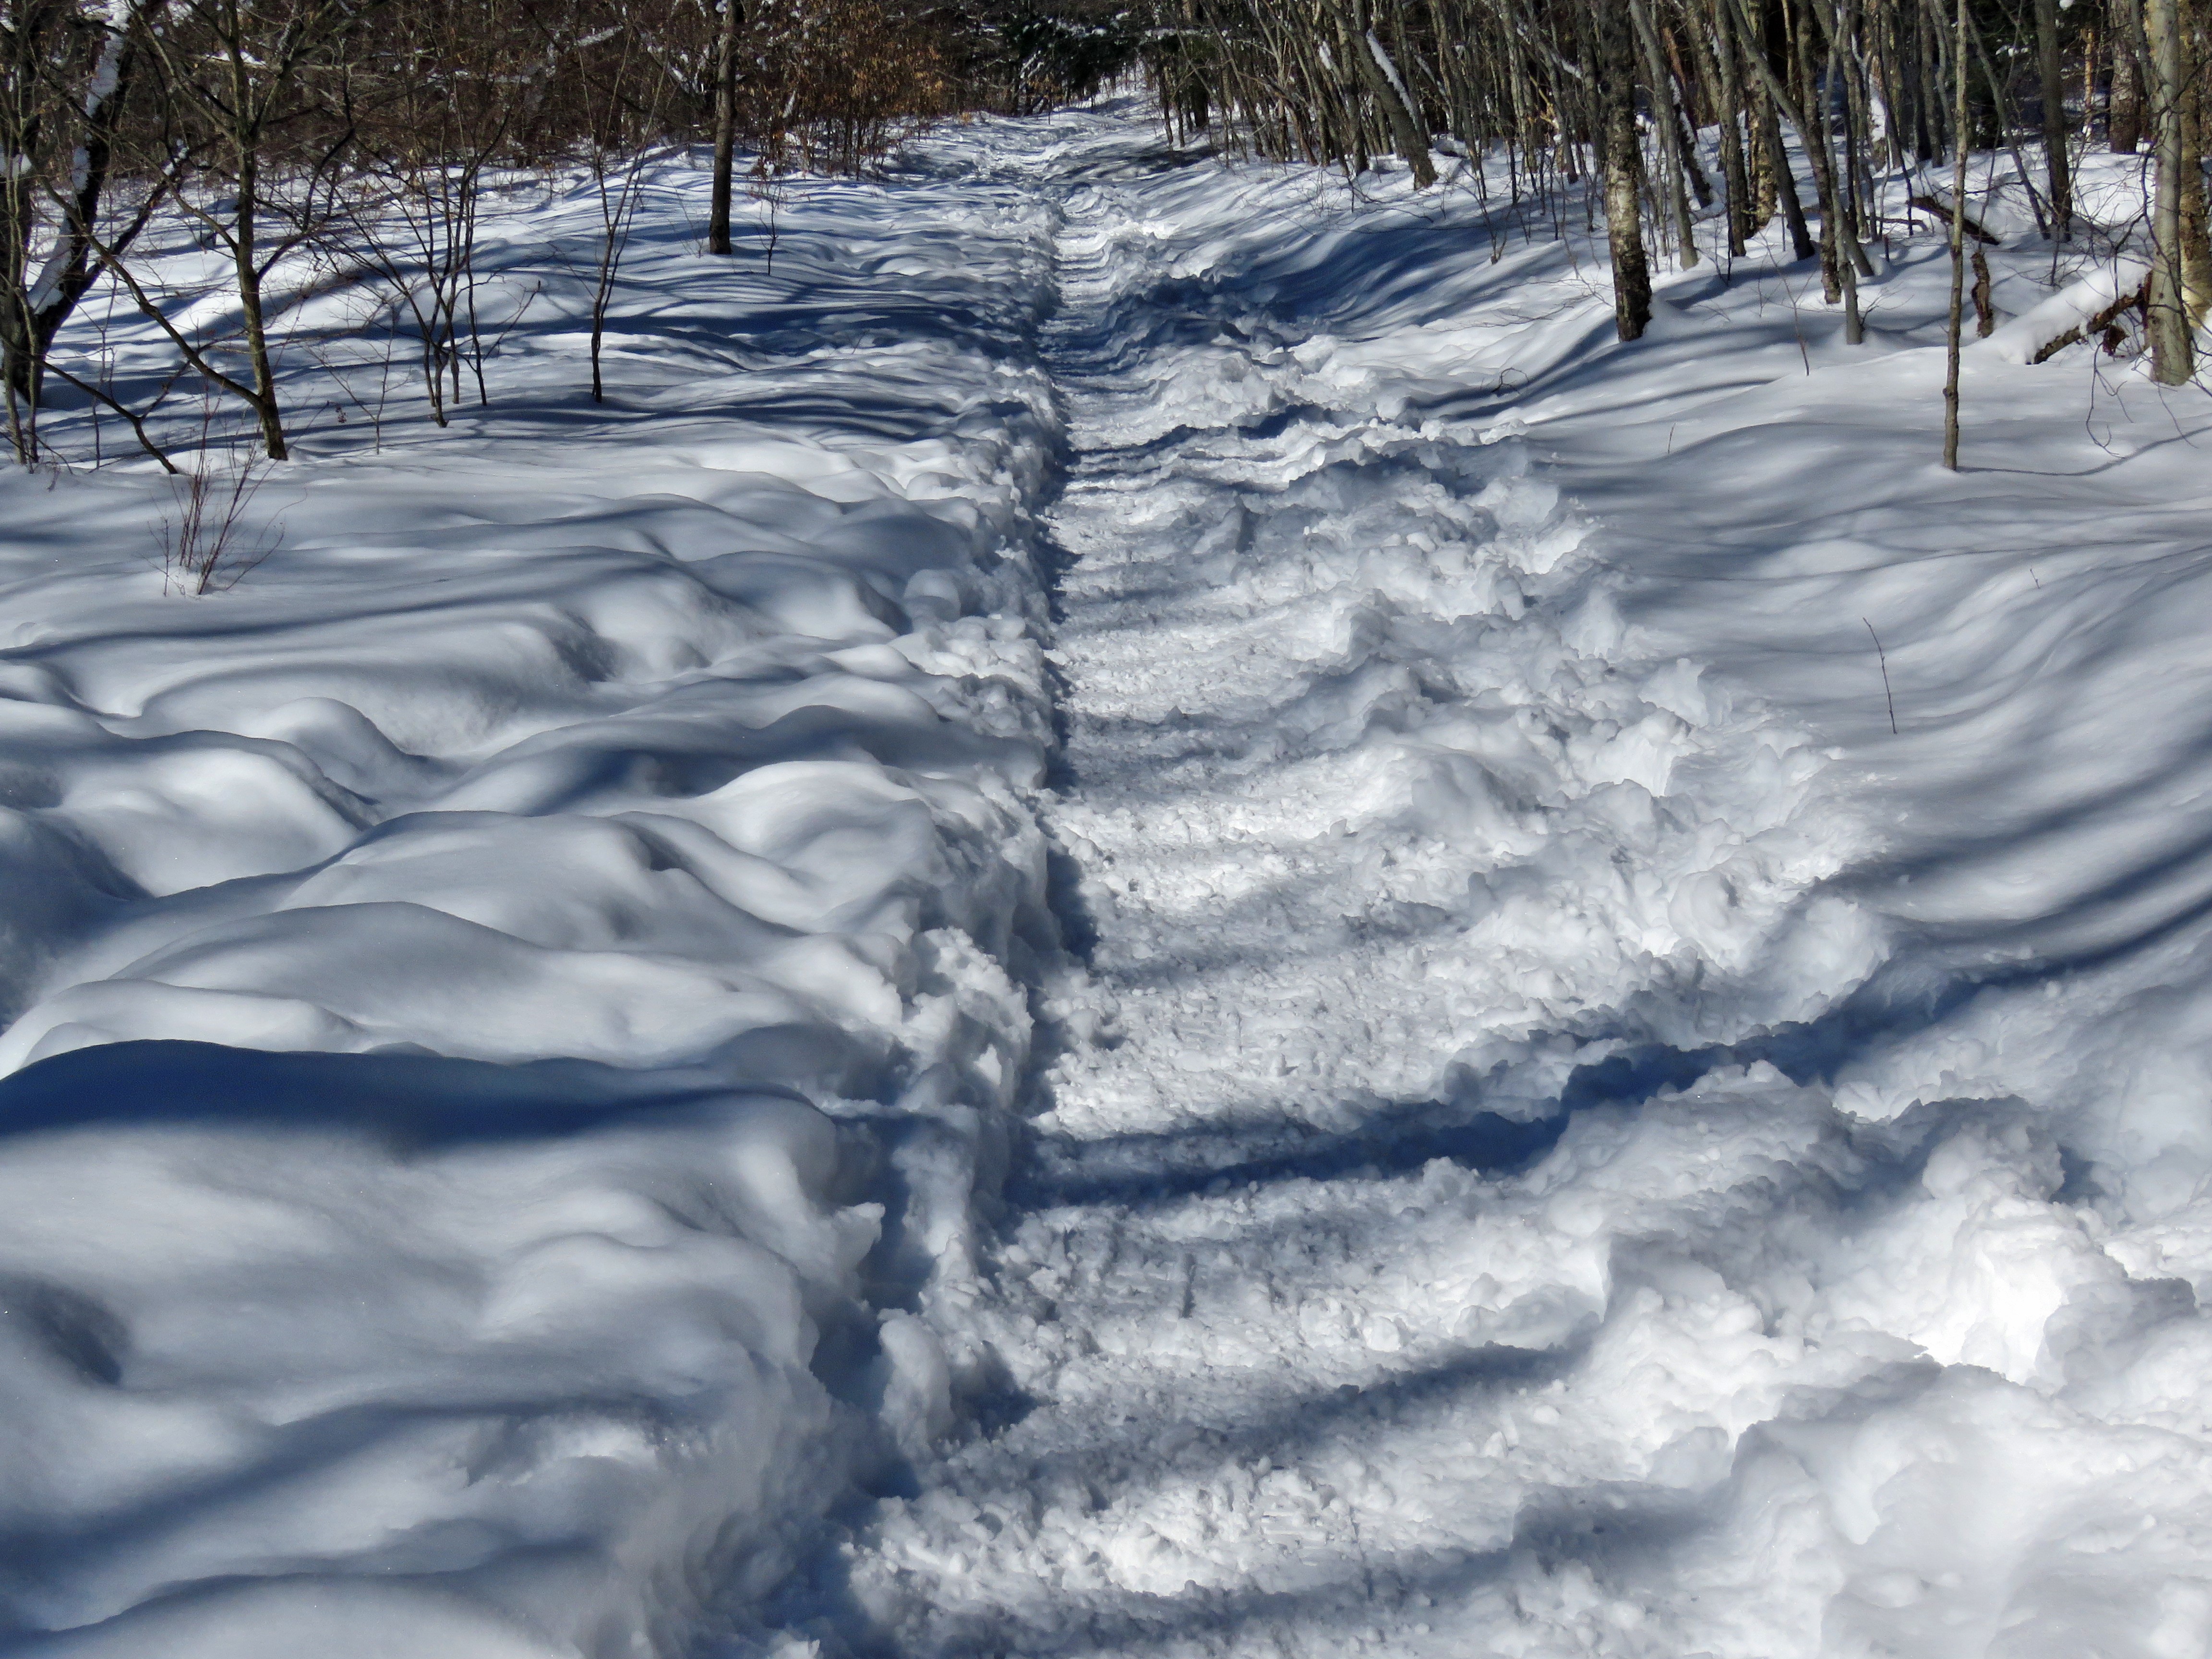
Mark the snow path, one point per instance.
(1422, 1250)
(1386, 847)
(1556, 1131)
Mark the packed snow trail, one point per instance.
(1386, 847)
(1445, 1233)
(1550, 1129)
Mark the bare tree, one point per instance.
(622, 93)
(65, 81)
(1615, 63)
(725, 125)
(240, 72)
(2169, 324)
(464, 76)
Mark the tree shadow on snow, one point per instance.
(409, 1100)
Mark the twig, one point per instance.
(1884, 656)
(137, 422)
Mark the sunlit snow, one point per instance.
(1142, 914)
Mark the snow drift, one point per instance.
(512, 1005)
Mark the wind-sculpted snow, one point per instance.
(692, 1028)
(514, 1004)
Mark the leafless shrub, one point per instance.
(835, 84)
(209, 537)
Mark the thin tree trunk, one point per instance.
(1662, 87)
(17, 351)
(1717, 63)
(1624, 225)
(2170, 347)
(1759, 154)
(1928, 40)
(1846, 220)
(2054, 120)
(1810, 117)
(726, 127)
(1958, 245)
(1850, 56)
(1802, 244)
(2123, 126)
(245, 260)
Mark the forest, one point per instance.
(1105, 829)
(332, 142)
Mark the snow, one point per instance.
(468, 979)
(1145, 913)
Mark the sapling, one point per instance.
(206, 541)
(1958, 245)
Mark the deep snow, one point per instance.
(610, 1056)
(614, 821)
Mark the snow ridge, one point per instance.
(516, 1006)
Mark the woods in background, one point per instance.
(280, 128)
(1617, 92)
(363, 133)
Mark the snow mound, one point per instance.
(2026, 337)
(515, 1007)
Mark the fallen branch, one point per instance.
(1929, 204)
(2097, 323)
(2080, 311)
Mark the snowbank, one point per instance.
(514, 1005)
(2069, 312)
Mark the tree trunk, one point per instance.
(2124, 127)
(1716, 68)
(1624, 224)
(1801, 244)
(266, 410)
(1958, 244)
(2171, 346)
(42, 305)
(2054, 120)
(1846, 216)
(1810, 117)
(1929, 140)
(1662, 87)
(17, 353)
(1390, 92)
(1765, 180)
(1816, 152)
(726, 126)
(2196, 233)
(245, 143)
